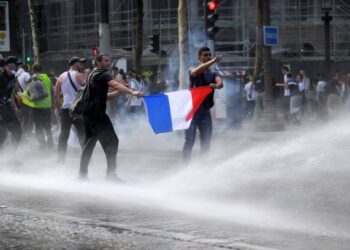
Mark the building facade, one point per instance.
(70, 27)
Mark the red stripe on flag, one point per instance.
(198, 96)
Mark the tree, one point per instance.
(183, 43)
(138, 49)
(268, 120)
(34, 31)
(258, 46)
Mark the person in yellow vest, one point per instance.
(41, 106)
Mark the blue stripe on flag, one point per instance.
(158, 113)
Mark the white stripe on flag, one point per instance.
(180, 103)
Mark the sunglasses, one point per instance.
(207, 54)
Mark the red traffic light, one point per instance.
(213, 5)
(94, 52)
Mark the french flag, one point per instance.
(174, 110)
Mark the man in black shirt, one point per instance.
(97, 124)
(8, 109)
(202, 75)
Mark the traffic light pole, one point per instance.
(159, 72)
(104, 31)
(210, 17)
(211, 46)
(23, 46)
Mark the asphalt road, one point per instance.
(220, 203)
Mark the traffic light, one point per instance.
(28, 59)
(155, 43)
(212, 5)
(210, 18)
(94, 52)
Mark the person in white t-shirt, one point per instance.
(286, 92)
(251, 95)
(321, 97)
(23, 78)
(67, 85)
(134, 103)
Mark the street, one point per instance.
(285, 197)
(230, 117)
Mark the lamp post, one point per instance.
(327, 18)
(103, 28)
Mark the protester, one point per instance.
(97, 124)
(122, 99)
(286, 92)
(309, 95)
(202, 75)
(285, 71)
(344, 88)
(41, 106)
(250, 96)
(23, 78)
(68, 84)
(295, 88)
(115, 71)
(321, 97)
(134, 104)
(8, 109)
(259, 87)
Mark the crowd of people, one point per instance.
(31, 102)
(299, 96)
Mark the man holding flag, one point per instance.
(98, 126)
(201, 76)
(187, 108)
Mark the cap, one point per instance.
(11, 59)
(75, 59)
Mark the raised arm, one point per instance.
(205, 66)
(123, 89)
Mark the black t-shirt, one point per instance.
(259, 85)
(204, 79)
(7, 84)
(98, 92)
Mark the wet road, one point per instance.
(37, 219)
(164, 205)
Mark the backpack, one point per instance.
(36, 89)
(81, 100)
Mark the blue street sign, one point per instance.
(270, 35)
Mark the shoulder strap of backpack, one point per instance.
(71, 81)
(88, 82)
(19, 85)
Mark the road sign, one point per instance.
(4, 26)
(270, 35)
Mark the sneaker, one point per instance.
(83, 177)
(114, 178)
